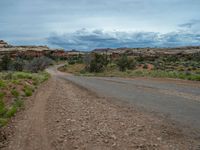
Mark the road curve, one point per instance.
(178, 99)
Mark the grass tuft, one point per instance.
(11, 111)
(3, 121)
(15, 93)
(28, 90)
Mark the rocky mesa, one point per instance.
(33, 51)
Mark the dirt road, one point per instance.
(65, 116)
(178, 99)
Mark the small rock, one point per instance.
(113, 137)
(159, 138)
(106, 141)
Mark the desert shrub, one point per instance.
(124, 63)
(83, 71)
(131, 64)
(38, 64)
(171, 58)
(5, 63)
(75, 59)
(156, 64)
(17, 65)
(40, 77)
(145, 66)
(98, 64)
(196, 57)
(71, 60)
(140, 59)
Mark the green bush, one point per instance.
(131, 64)
(140, 59)
(38, 64)
(22, 75)
(124, 63)
(75, 59)
(28, 91)
(98, 64)
(17, 65)
(40, 77)
(71, 61)
(145, 66)
(5, 63)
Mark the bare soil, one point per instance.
(61, 115)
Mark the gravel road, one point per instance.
(177, 99)
(62, 115)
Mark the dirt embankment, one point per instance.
(64, 116)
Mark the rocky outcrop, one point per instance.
(34, 51)
(3, 44)
(29, 51)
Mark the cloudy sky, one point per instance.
(90, 24)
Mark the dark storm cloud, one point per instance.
(87, 40)
(191, 24)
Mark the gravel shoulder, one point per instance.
(62, 115)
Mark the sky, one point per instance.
(91, 24)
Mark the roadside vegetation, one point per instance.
(172, 66)
(19, 78)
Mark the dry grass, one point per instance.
(74, 69)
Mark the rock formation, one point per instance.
(3, 44)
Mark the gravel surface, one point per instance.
(178, 99)
(65, 116)
(79, 119)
